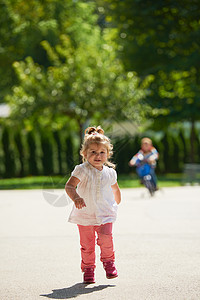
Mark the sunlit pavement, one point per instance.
(157, 243)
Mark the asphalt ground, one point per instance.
(157, 242)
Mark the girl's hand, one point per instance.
(70, 188)
(79, 203)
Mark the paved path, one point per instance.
(157, 244)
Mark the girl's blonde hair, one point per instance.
(95, 135)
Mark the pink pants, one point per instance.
(87, 241)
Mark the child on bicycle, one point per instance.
(148, 154)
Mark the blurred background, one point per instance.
(130, 66)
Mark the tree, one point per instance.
(23, 25)
(161, 38)
(84, 81)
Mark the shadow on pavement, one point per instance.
(75, 290)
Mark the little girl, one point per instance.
(95, 202)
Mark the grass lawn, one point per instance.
(132, 181)
(58, 182)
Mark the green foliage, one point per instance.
(79, 88)
(21, 152)
(58, 142)
(161, 35)
(124, 149)
(166, 154)
(60, 70)
(8, 149)
(197, 146)
(24, 25)
(47, 153)
(160, 38)
(81, 79)
(70, 153)
(32, 148)
(176, 157)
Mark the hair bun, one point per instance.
(100, 130)
(93, 130)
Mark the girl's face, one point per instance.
(96, 155)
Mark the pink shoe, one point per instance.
(88, 276)
(111, 271)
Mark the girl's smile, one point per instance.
(97, 155)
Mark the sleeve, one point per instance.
(113, 176)
(78, 172)
(155, 153)
(135, 158)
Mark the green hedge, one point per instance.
(43, 152)
(36, 152)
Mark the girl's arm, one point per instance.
(116, 192)
(70, 189)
